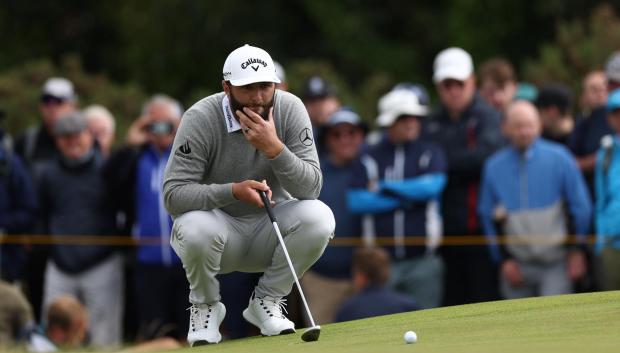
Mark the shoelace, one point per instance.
(274, 307)
(199, 318)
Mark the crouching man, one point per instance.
(230, 145)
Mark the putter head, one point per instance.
(311, 334)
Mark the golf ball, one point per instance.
(410, 337)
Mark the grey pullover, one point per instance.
(207, 158)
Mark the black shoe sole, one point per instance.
(200, 343)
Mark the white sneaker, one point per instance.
(266, 314)
(204, 323)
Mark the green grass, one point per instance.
(568, 323)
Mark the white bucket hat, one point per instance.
(248, 64)
(397, 103)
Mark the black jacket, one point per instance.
(75, 201)
(468, 142)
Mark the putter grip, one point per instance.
(267, 205)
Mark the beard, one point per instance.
(236, 105)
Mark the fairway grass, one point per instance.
(568, 323)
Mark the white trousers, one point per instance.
(101, 289)
(213, 242)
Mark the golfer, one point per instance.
(229, 145)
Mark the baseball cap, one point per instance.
(59, 88)
(399, 102)
(554, 95)
(70, 124)
(526, 91)
(248, 64)
(612, 68)
(613, 100)
(280, 71)
(454, 63)
(344, 116)
(317, 87)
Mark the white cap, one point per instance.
(59, 87)
(397, 103)
(454, 63)
(248, 64)
(280, 71)
(612, 68)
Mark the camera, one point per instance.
(160, 128)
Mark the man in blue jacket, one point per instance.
(607, 182)
(17, 207)
(397, 189)
(525, 188)
(328, 283)
(135, 174)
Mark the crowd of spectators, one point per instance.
(515, 176)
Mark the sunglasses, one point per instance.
(49, 100)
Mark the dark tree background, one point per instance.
(120, 51)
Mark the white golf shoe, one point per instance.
(204, 323)
(266, 314)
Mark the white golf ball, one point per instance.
(410, 337)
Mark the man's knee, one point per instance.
(318, 221)
(197, 232)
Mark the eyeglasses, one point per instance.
(49, 100)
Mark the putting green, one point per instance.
(568, 323)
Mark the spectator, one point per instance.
(498, 83)
(593, 93)
(35, 147)
(328, 283)
(135, 174)
(67, 327)
(468, 131)
(321, 101)
(371, 270)
(37, 144)
(554, 103)
(74, 202)
(586, 138)
(102, 126)
(17, 208)
(398, 189)
(531, 180)
(608, 199)
(15, 314)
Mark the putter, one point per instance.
(312, 333)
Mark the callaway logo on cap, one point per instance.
(248, 64)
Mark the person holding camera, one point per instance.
(135, 175)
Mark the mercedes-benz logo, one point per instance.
(305, 136)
